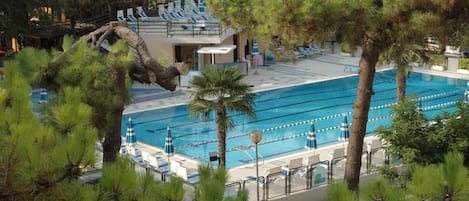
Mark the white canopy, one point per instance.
(222, 49)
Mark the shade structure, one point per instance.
(419, 107)
(344, 132)
(168, 144)
(311, 142)
(130, 138)
(255, 48)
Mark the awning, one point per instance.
(223, 49)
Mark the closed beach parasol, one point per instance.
(168, 144)
(344, 132)
(311, 142)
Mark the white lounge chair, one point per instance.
(293, 167)
(145, 156)
(273, 170)
(158, 164)
(293, 164)
(376, 144)
(189, 175)
(120, 16)
(305, 51)
(123, 150)
(164, 17)
(350, 68)
(311, 160)
(141, 13)
(338, 154)
(136, 157)
(190, 11)
(178, 9)
(130, 15)
(316, 49)
(268, 172)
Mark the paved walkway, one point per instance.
(281, 74)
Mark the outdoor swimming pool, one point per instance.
(139, 94)
(284, 115)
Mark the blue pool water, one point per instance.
(284, 115)
(139, 94)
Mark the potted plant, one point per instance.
(347, 49)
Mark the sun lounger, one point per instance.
(120, 16)
(141, 13)
(312, 160)
(355, 69)
(136, 157)
(268, 174)
(273, 170)
(293, 167)
(130, 15)
(293, 164)
(187, 174)
(157, 163)
(316, 49)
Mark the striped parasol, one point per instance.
(311, 142)
(255, 48)
(43, 96)
(130, 138)
(168, 144)
(344, 132)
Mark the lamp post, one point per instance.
(368, 157)
(256, 136)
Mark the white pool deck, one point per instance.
(280, 74)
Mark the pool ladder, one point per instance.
(246, 149)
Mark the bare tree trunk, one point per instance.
(221, 113)
(145, 69)
(401, 78)
(367, 64)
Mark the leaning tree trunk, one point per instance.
(145, 69)
(401, 78)
(367, 64)
(112, 140)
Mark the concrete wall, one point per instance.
(161, 49)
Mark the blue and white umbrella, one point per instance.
(255, 48)
(344, 132)
(43, 96)
(311, 142)
(168, 144)
(130, 138)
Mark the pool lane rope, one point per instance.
(442, 105)
(437, 106)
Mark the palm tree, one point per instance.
(212, 185)
(221, 90)
(402, 55)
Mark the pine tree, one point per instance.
(374, 25)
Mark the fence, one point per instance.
(307, 177)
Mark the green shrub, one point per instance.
(464, 63)
(438, 59)
(346, 47)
